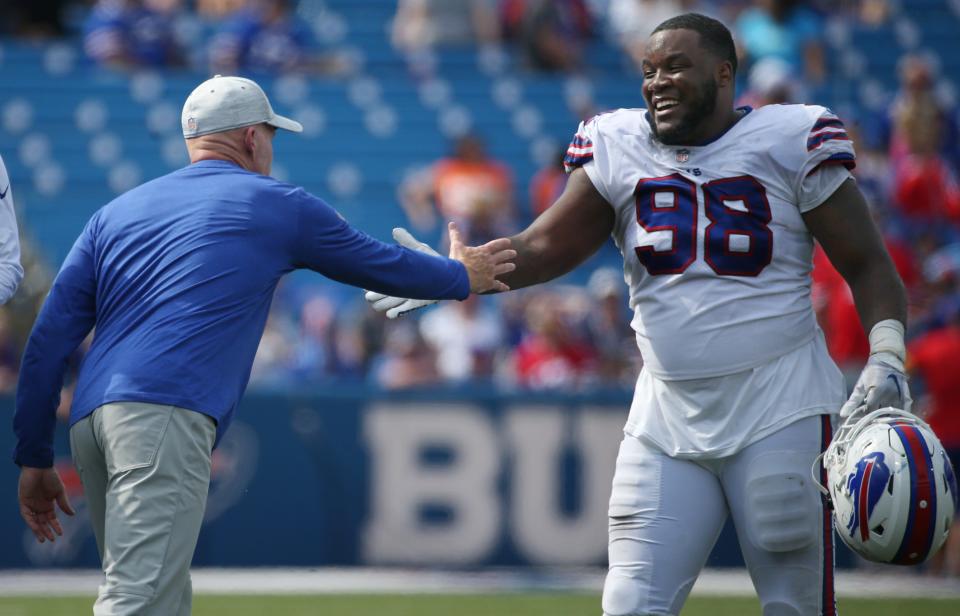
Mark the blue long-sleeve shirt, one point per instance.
(177, 277)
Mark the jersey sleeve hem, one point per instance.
(821, 183)
(594, 174)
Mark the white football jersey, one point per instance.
(716, 253)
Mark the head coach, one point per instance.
(176, 276)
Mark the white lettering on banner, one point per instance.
(538, 437)
(401, 484)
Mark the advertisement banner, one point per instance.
(451, 478)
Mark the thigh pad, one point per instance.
(783, 508)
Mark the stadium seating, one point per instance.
(74, 135)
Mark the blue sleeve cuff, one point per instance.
(463, 284)
(36, 459)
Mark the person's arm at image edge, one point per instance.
(11, 272)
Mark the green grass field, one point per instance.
(460, 605)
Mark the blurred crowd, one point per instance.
(562, 336)
(290, 35)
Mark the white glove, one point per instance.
(883, 381)
(399, 306)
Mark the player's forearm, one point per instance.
(534, 263)
(563, 237)
(537, 262)
(843, 226)
(878, 293)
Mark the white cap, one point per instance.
(225, 103)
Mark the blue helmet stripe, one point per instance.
(902, 556)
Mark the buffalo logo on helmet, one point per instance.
(866, 485)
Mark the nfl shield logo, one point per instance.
(683, 155)
(191, 124)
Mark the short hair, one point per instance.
(714, 36)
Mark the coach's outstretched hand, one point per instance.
(483, 263)
(39, 489)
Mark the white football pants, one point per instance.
(666, 514)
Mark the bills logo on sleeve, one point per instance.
(866, 484)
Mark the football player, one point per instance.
(715, 210)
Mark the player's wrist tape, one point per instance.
(887, 337)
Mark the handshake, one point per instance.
(483, 264)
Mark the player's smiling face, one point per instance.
(680, 86)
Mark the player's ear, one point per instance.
(725, 75)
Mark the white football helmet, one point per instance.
(893, 490)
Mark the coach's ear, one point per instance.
(249, 139)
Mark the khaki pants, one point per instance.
(145, 470)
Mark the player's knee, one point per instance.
(622, 595)
(782, 510)
(777, 608)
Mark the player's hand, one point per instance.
(39, 489)
(483, 263)
(882, 383)
(399, 306)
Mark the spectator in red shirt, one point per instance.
(925, 185)
(551, 356)
(837, 313)
(933, 358)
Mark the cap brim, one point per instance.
(285, 123)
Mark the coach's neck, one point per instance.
(227, 145)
